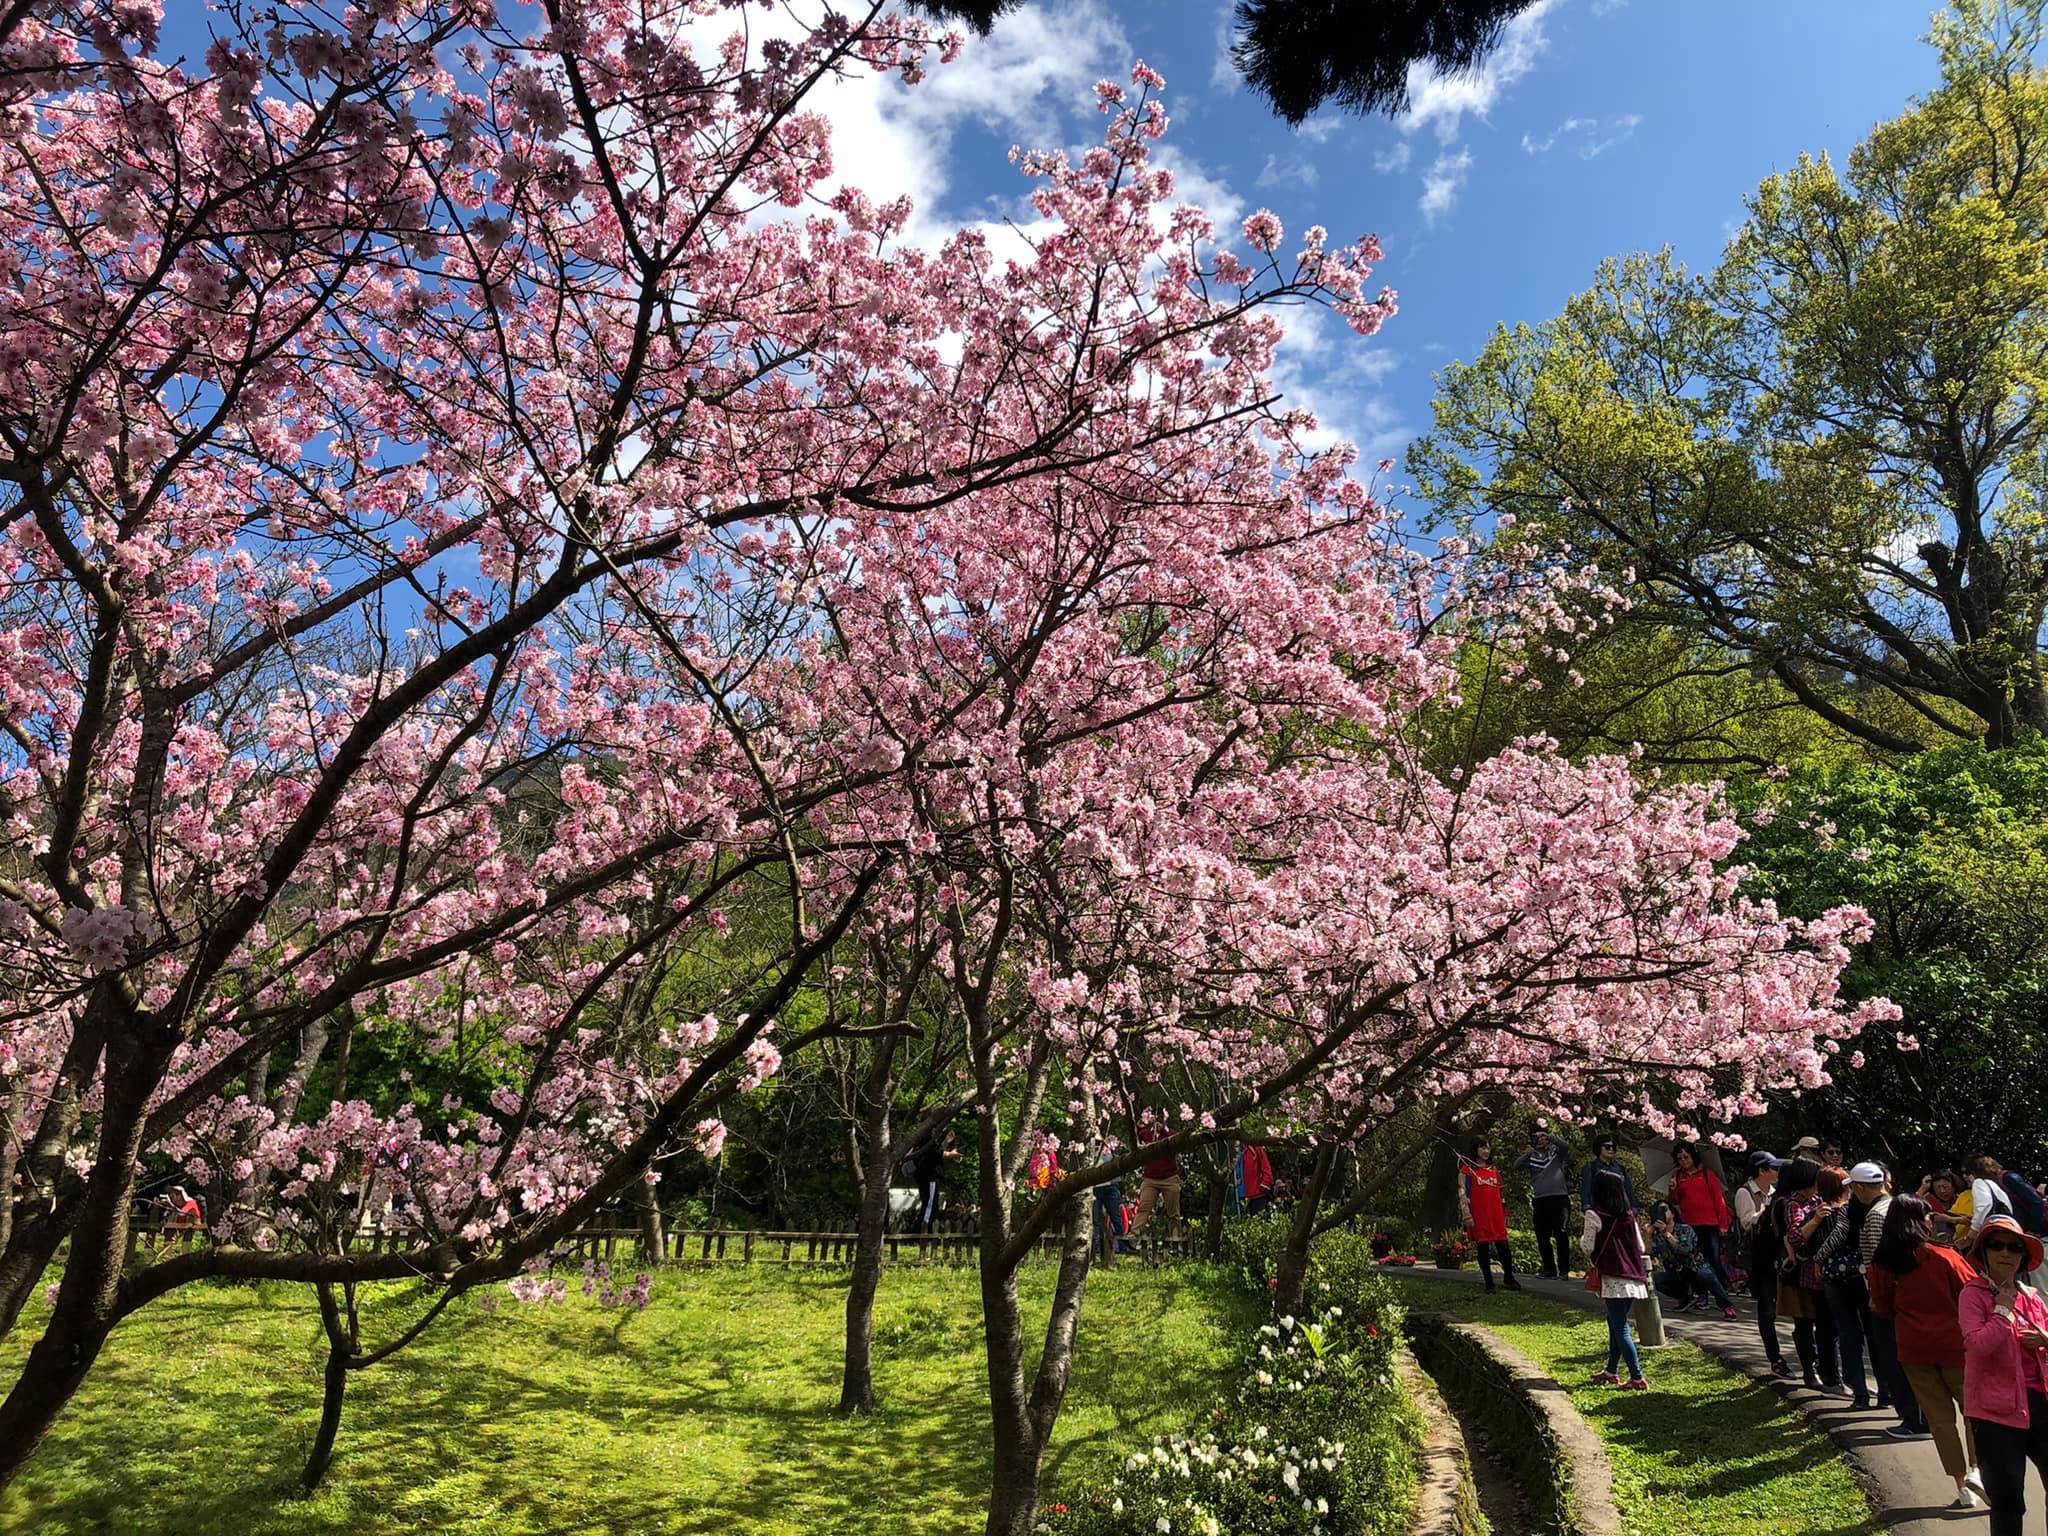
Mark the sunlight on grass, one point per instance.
(713, 1411)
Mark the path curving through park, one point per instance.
(1908, 1491)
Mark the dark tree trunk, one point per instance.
(84, 1314)
(334, 1386)
(857, 1385)
(1292, 1277)
(1024, 1423)
(1212, 1245)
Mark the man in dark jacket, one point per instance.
(1550, 1190)
(1605, 1159)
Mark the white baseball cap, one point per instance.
(1868, 1173)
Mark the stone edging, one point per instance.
(1445, 1499)
(1557, 1457)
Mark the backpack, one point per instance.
(2028, 1209)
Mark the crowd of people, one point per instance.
(1924, 1304)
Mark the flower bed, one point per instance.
(1319, 1440)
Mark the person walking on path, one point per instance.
(1486, 1215)
(1697, 1196)
(1795, 1218)
(1760, 1249)
(1916, 1284)
(2004, 1324)
(1606, 1159)
(1550, 1198)
(1614, 1253)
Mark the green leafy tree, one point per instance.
(1826, 456)
(1948, 850)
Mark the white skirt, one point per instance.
(1613, 1287)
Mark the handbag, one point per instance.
(1593, 1268)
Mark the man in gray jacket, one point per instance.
(1550, 1186)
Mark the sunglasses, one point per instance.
(2006, 1248)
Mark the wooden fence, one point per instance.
(713, 1245)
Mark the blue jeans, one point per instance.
(1709, 1240)
(1109, 1219)
(1621, 1344)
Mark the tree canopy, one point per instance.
(1827, 455)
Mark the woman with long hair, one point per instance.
(1614, 1251)
(1918, 1283)
(1792, 1215)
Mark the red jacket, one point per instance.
(1698, 1199)
(1258, 1173)
(1922, 1305)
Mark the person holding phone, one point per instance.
(2005, 1395)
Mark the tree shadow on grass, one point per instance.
(718, 1420)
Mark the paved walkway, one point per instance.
(1908, 1490)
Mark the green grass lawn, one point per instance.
(1705, 1452)
(712, 1411)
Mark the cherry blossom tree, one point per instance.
(465, 492)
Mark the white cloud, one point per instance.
(1441, 101)
(1387, 161)
(1223, 75)
(1288, 171)
(1607, 7)
(1317, 130)
(1320, 366)
(1442, 182)
(1033, 72)
(1593, 137)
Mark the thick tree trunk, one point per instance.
(84, 1314)
(1292, 1278)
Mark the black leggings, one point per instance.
(1507, 1261)
(1813, 1338)
(2002, 1456)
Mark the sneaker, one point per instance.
(1811, 1382)
(1838, 1389)
(1907, 1432)
(1606, 1379)
(1728, 1312)
(1635, 1384)
(1511, 1283)
(1974, 1479)
(1967, 1498)
(1781, 1370)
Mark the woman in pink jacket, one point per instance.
(1701, 1204)
(2005, 1329)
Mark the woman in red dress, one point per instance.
(1486, 1215)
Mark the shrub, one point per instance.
(1318, 1440)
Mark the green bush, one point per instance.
(1318, 1440)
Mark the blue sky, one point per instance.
(1600, 127)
